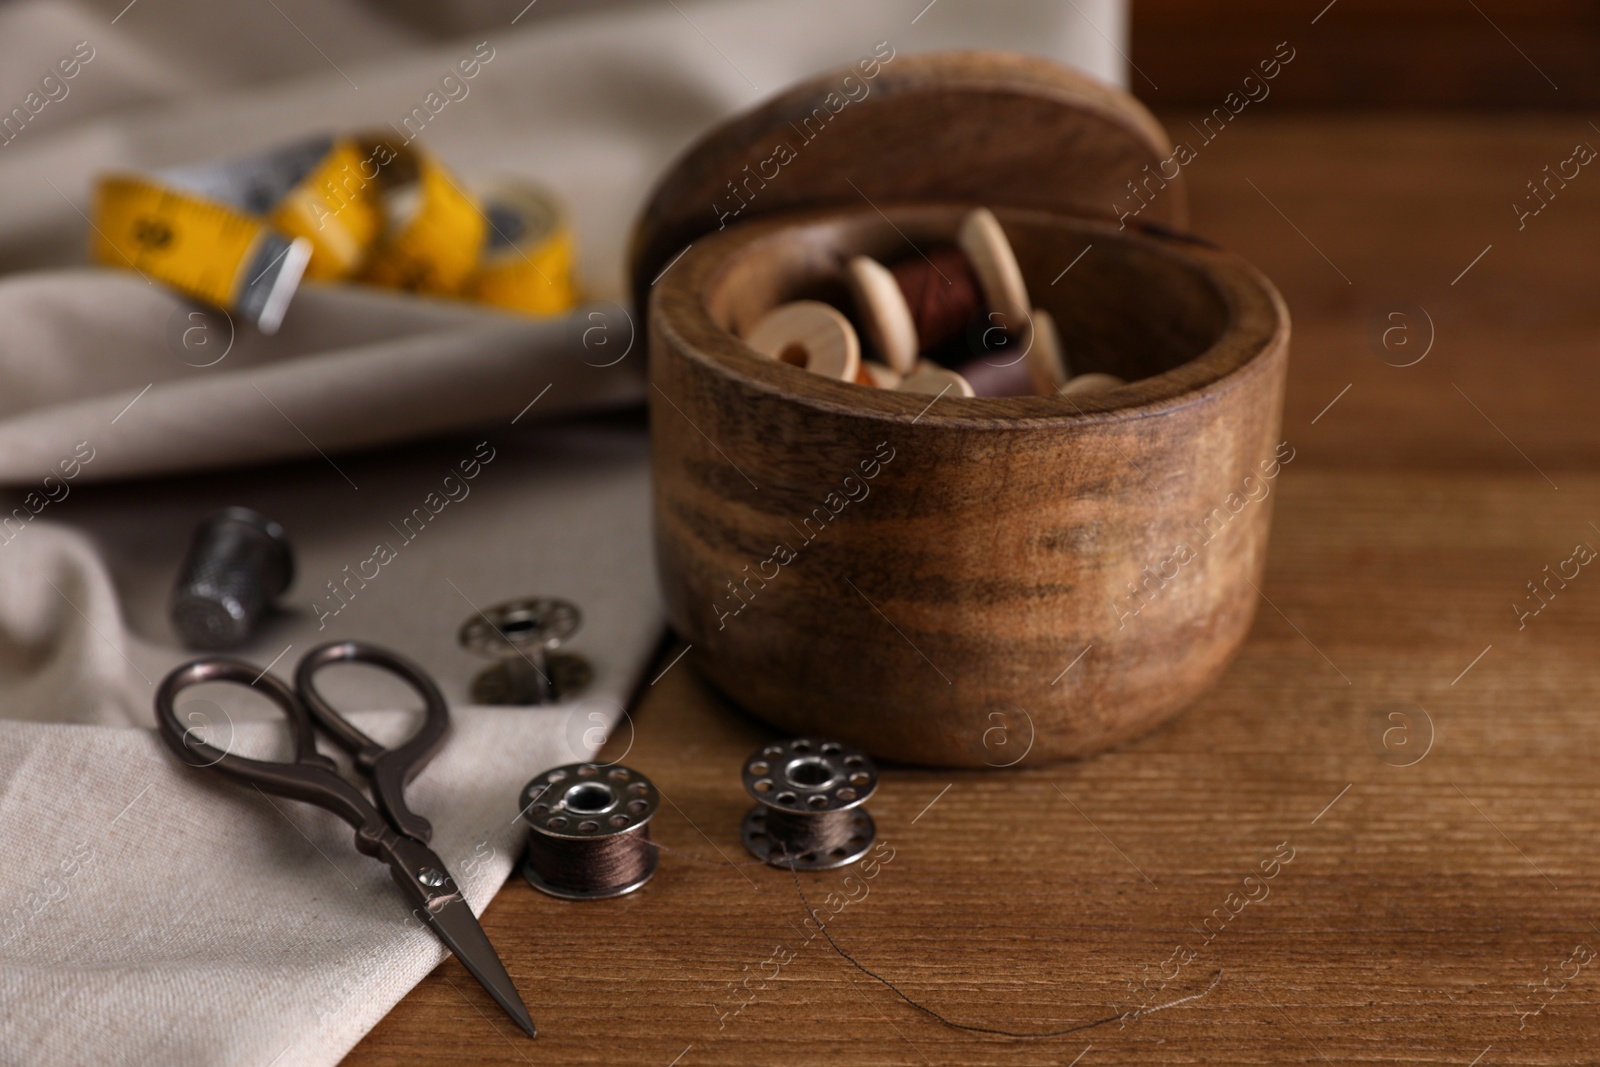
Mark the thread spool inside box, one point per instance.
(1135, 311)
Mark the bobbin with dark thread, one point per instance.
(808, 814)
(522, 637)
(589, 831)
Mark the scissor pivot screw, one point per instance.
(431, 878)
(522, 636)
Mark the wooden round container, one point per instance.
(958, 581)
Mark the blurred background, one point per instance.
(591, 98)
(1454, 54)
(1392, 172)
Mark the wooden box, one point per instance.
(972, 581)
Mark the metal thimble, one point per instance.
(238, 562)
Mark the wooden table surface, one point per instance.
(1425, 760)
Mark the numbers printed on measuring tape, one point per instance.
(152, 233)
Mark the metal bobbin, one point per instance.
(522, 636)
(808, 814)
(590, 831)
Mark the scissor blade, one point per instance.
(423, 877)
(459, 930)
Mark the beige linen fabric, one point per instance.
(354, 367)
(196, 921)
(154, 914)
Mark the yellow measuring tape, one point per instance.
(241, 234)
(527, 263)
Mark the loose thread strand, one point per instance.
(897, 991)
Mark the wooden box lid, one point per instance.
(993, 128)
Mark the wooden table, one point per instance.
(1431, 913)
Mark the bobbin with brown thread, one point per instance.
(809, 796)
(522, 637)
(589, 831)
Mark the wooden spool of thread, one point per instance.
(884, 313)
(933, 379)
(978, 277)
(917, 307)
(1046, 358)
(809, 795)
(817, 338)
(811, 335)
(921, 302)
(1090, 384)
(998, 374)
(589, 831)
(878, 375)
(941, 292)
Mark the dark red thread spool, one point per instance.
(946, 303)
(942, 293)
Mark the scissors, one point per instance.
(389, 831)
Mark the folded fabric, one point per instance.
(164, 916)
(153, 384)
(155, 913)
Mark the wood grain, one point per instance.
(1416, 909)
(893, 570)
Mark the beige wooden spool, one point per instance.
(1091, 384)
(932, 378)
(810, 335)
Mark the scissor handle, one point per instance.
(310, 777)
(390, 769)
